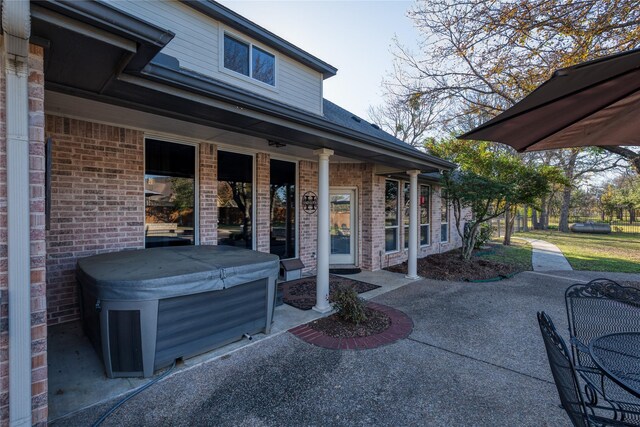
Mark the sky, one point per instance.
(354, 36)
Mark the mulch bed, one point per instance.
(336, 327)
(449, 266)
(342, 337)
(301, 293)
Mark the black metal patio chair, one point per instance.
(594, 309)
(582, 412)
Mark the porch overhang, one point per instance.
(108, 65)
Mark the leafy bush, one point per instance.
(348, 305)
(484, 236)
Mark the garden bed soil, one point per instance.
(449, 266)
(334, 326)
(301, 293)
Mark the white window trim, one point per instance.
(249, 79)
(296, 231)
(405, 227)
(398, 214)
(253, 190)
(196, 207)
(443, 202)
(428, 224)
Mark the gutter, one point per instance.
(16, 27)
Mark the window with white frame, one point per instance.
(391, 223)
(406, 212)
(425, 214)
(444, 219)
(249, 60)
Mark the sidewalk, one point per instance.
(547, 256)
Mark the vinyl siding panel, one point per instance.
(197, 47)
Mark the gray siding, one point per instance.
(196, 46)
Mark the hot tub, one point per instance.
(143, 309)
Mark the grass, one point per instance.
(518, 254)
(616, 252)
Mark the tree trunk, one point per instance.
(632, 215)
(526, 218)
(469, 238)
(509, 220)
(569, 171)
(563, 225)
(544, 216)
(534, 219)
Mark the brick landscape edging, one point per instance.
(401, 327)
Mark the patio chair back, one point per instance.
(598, 308)
(563, 372)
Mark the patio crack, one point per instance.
(481, 361)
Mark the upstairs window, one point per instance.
(249, 60)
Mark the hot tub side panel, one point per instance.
(193, 324)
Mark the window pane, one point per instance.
(391, 203)
(444, 233)
(425, 204)
(235, 199)
(169, 194)
(264, 66)
(391, 239)
(283, 208)
(406, 237)
(424, 235)
(407, 200)
(444, 207)
(236, 55)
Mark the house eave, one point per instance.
(218, 90)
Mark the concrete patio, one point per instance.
(475, 357)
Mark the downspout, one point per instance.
(16, 29)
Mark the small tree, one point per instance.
(484, 197)
(490, 181)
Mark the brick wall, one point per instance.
(38, 247)
(371, 243)
(263, 202)
(374, 214)
(97, 202)
(38, 237)
(307, 223)
(208, 210)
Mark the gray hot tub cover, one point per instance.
(150, 274)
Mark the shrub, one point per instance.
(484, 236)
(348, 305)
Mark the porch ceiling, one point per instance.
(93, 51)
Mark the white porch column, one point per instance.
(412, 270)
(322, 254)
(16, 25)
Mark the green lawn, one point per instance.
(617, 252)
(518, 254)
